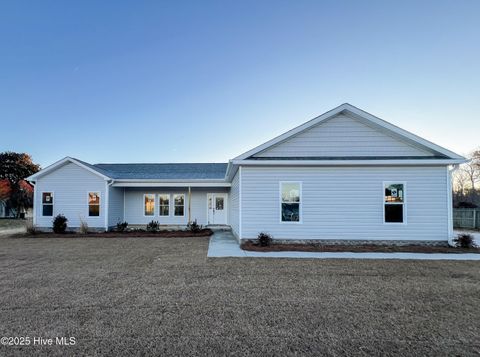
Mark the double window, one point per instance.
(394, 202)
(47, 204)
(94, 204)
(291, 202)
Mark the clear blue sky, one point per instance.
(201, 81)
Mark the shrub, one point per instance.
(31, 228)
(83, 227)
(153, 226)
(264, 239)
(194, 227)
(60, 224)
(122, 226)
(464, 240)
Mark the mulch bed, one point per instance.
(128, 234)
(367, 248)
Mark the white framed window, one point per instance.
(94, 204)
(179, 204)
(164, 204)
(291, 202)
(394, 201)
(47, 204)
(148, 204)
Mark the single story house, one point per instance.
(343, 176)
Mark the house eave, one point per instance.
(376, 162)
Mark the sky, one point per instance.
(204, 81)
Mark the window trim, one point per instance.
(404, 203)
(53, 202)
(184, 203)
(169, 204)
(300, 204)
(99, 205)
(154, 204)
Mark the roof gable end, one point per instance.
(64, 161)
(330, 136)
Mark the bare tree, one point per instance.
(466, 179)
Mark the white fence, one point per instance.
(466, 218)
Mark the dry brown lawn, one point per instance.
(144, 296)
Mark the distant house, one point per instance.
(345, 175)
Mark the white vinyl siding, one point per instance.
(115, 208)
(345, 203)
(342, 136)
(70, 184)
(234, 205)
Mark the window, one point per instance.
(149, 204)
(290, 201)
(94, 204)
(164, 205)
(219, 203)
(47, 204)
(179, 205)
(394, 200)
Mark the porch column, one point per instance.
(189, 203)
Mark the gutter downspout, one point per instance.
(189, 204)
(107, 201)
(450, 171)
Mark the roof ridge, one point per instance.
(161, 163)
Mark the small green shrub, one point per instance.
(122, 226)
(194, 227)
(464, 240)
(264, 239)
(60, 224)
(153, 226)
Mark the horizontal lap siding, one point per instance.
(70, 185)
(346, 203)
(134, 207)
(342, 136)
(115, 208)
(234, 213)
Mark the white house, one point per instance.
(345, 175)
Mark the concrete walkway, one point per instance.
(223, 244)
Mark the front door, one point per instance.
(217, 208)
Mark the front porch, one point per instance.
(172, 206)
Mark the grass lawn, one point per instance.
(7, 223)
(164, 297)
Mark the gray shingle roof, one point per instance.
(205, 171)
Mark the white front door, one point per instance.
(217, 208)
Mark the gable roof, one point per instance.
(412, 139)
(181, 171)
(99, 172)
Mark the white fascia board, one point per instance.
(360, 113)
(59, 163)
(151, 183)
(348, 162)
